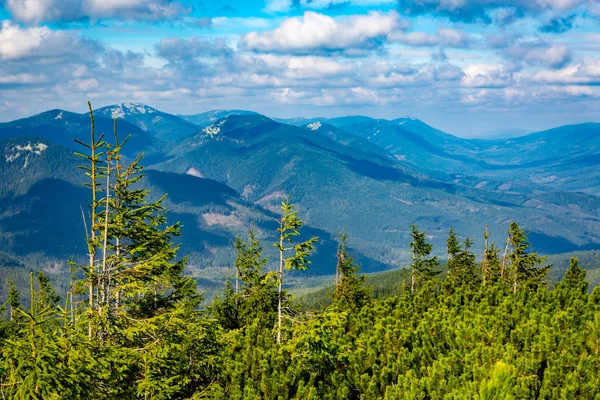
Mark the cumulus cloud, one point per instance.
(539, 52)
(23, 43)
(319, 33)
(444, 37)
(487, 76)
(584, 72)
(38, 11)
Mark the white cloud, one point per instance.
(585, 72)
(314, 33)
(487, 76)
(444, 37)
(17, 42)
(22, 79)
(553, 55)
(38, 11)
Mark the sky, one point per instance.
(464, 66)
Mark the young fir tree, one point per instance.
(350, 291)
(572, 289)
(139, 297)
(454, 265)
(423, 267)
(492, 265)
(14, 299)
(289, 228)
(255, 297)
(132, 268)
(526, 266)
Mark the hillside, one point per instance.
(61, 127)
(162, 126)
(205, 119)
(372, 176)
(265, 160)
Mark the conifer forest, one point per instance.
(485, 322)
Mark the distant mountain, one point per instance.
(372, 176)
(41, 213)
(28, 160)
(300, 121)
(163, 126)
(496, 134)
(339, 183)
(61, 127)
(204, 119)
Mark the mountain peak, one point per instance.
(123, 109)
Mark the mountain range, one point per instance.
(226, 170)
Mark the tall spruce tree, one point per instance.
(526, 266)
(454, 249)
(256, 297)
(350, 291)
(423, 267)
(289, 228)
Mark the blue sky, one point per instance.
(464, 66)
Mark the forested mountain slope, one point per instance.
(373, 176)
(339, 181)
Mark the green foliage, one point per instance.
(289, 228)
(526, 269)
(500, 385)
(350, 289)
(423, 267)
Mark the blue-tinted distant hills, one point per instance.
(61, 127)
(163, 126)
(202, 120)
(227, 169)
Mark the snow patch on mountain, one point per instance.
(194, 172)
(121, 110)
(314, 126)
(214, 129)
(59, 116)
(28, 150)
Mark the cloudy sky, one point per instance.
(464, 66)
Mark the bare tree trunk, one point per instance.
(484, 264)
(504, 257)
(103, 283)
(280, 288)
(237, 274)
(92, 248)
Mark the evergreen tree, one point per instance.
(350, 291)
(454, 249)
(571, 291)
(500, 385)
(423, 267)
(491, 266)
(289, 228)
(14, 299)
(526, 266)
(256, 297)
